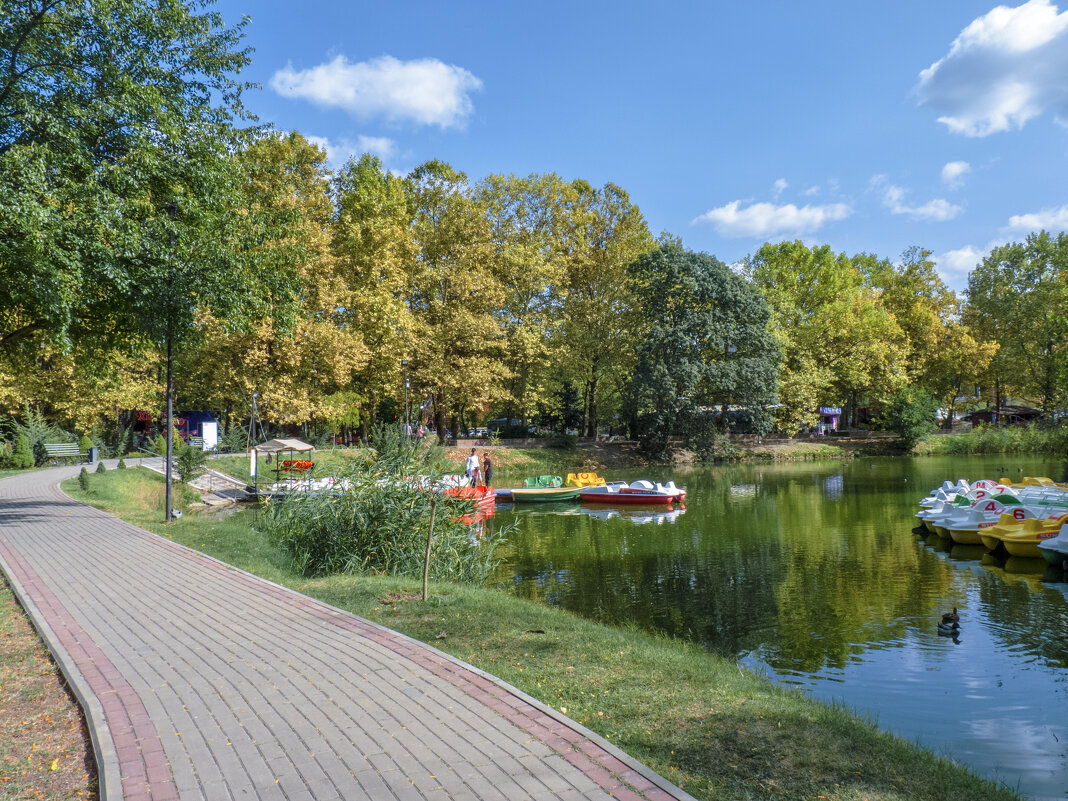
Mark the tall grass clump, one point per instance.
(1002, 439)
(377, 516)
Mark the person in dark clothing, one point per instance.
(487, 469)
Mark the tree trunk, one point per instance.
(591, 418)
(997, 400)
(439, 415)
(429, 539)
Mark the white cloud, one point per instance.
(425, 92)
(937, 210)
(954, 265)
(1005, 68)
(337, 153)
(953, 173)
(1054, 220)
(778, 188)
(812, 190)
(381, 146)
(767, 219)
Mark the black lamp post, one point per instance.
(407, 425)
(172, 212)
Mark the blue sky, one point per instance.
(868, 127)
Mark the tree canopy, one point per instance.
(707, 354)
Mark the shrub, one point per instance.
(190, 462)
(122, 464)
(83, 480)
(377, 518)
(100, 467)
(85, 443)
(22, 457)
(565, 442)
(38, 431)
(710, 445)
(235, 440)
(910, 414)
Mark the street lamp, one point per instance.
(407, 425)
(172, 212)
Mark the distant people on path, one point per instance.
(407, 429)
(487, 469)
(420, 432)
(472, 468)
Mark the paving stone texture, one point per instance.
(200, 681)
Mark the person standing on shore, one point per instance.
(487, 469)
(471, 468)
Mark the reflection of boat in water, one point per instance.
(483, 499)
(632, 514)
(657, 514)
(544, 508)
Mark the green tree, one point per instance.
(943, 355)
(292, 365)
(1016, 297)
(527, 218)
(456, 298)
(840, 345)
(107, 110)
(191, 462)
(123, 217)
(604, 233)
(22, 457)
(375, 252)
(910, 414)
(708, 348)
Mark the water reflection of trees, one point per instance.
(810, 564)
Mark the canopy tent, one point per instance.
(278, 445)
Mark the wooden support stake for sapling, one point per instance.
(429, 536)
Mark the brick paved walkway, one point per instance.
(202, 681)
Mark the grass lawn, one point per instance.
(704, 722)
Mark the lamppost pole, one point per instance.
(407, 425)
(172, 212)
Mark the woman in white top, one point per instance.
(472, 468)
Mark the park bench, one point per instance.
(64, 450)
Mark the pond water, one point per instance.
(811, 573)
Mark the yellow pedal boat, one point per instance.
(584, 480)
(1024, 542)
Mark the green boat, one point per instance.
(539, 489)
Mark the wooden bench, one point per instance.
(64, 450)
